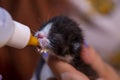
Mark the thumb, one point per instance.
(64, 71)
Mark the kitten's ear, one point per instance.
(76, 47)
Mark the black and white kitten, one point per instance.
(65, 40)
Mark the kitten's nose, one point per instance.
(40, 35)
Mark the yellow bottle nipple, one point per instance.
(33, 41)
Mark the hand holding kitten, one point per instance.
(64, 71)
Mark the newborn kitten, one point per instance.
(65, 40)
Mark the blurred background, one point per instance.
(99, 20)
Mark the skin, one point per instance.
(64, 71)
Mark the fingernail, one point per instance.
(70, 76)
(45, 55)
(65, 75)
(86, 44)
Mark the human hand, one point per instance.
(64, 71)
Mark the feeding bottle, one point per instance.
(13, 33)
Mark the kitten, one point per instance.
(65, 40)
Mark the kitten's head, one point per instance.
(64, 35)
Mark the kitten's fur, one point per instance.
(66, 41)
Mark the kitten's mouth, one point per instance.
(44, 42)
(42, 39)
(43, 46)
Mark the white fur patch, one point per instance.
(45, 31)
(68, 58)
(47, 28)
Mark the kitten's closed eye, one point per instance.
(58, 44)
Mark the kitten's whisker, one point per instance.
(50, 46)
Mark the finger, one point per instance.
(64, 71)
(104, 70)
(93, 59)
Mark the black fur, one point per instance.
(66, 38)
